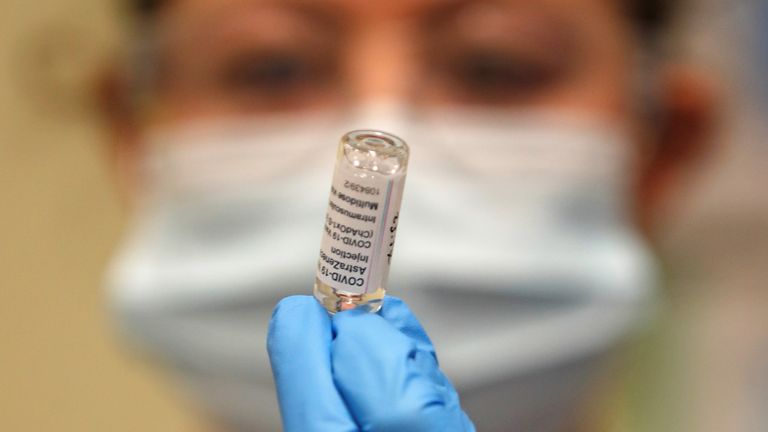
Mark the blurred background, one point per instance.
(704, 366)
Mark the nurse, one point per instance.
(544, 135)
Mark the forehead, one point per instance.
(590, 12)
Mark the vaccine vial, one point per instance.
(360, 224)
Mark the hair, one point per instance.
(650, 18)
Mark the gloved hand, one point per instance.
(358, 371)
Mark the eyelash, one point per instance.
(267, 72)
(498, 74)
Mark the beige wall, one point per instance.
(60, 367)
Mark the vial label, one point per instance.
(359, 232)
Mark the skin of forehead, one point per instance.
(596, 12)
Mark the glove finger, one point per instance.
(399, 315)
(390, 384)
(298, 343)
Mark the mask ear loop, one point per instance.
(142, 65)
(646, 91)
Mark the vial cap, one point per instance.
(375, 151)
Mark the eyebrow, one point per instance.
(342, 7)
(536, 11)
(214, 21)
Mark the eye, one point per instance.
(496, 52)
(270, 73)
(494, 74)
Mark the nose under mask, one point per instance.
(514, 248)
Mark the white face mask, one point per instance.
(515, 248)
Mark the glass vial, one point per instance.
(361, 221)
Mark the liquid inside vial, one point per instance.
(361, 221)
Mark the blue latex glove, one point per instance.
(358, 371)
